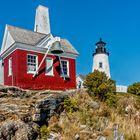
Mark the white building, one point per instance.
(100, 58)
(120, 88)
(80, 81)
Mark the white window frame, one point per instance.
(52, 73)
(62, 72)
(32, 72)
(10, 66)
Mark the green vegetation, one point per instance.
(44, 132)
(98, 84)
(111, 99)
(90, 122)
(134, 88)
(70, 105)
(95, 112)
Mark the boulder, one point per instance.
(83, 127)
(2, 117)
(102, 138)
(8, 129)
(25, 132)
(77, 137)
(54, 136)
(46, 108)
(94, 105)
(17, 130)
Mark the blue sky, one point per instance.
(83, 22)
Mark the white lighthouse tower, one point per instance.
(100, 58)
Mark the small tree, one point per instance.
(98, 84)
(134, 88)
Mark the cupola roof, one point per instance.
(100, 42)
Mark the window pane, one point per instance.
(31, 63)
(100, 65)
(49, 66)
(65, 68)
(10, 66)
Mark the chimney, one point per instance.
(42, 21)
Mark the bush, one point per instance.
(44, 132)
(98, 84)
(70, 105)
(111, 99)
(134, 88)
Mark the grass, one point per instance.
(100, 121)
(80, 118)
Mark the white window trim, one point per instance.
(62, 75)
(46, 67)
(10, 66)
(32, 72)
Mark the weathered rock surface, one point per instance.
(21, 111)
(45, 108)
(17, 130)
(23, 114)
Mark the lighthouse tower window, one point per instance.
(100, 65)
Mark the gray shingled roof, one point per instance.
(25, 36)
(83, 77)
(32, 38)
(67, 46)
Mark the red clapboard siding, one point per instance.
(24, 80)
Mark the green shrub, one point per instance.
(134, 88)
(44, 132)
(70, 105)
(111, 99)
(98, 84)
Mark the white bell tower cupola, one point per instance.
(100, 58)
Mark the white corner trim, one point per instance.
(7, 40)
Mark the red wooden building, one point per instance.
(22, 51)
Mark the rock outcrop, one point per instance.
(46, 115)
(22, 111)
(45, 108)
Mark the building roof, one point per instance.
(25, 36)
(32, 38)
(68, 47)
(100, 42)
(83, 77)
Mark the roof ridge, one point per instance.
(11, 26)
